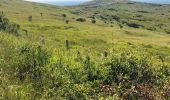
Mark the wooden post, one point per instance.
(105, 54)
(67, 44)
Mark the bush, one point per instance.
(134, 25)
(78, 75)
(81, 19)
(33, 59)
(67, 21)
(93, 21)
(30, 18)
(64, 15)
(167, 31)
(129, 69)
(13, 28)
(6, 25)
(4, 22)
(151, 28)
(116, 18)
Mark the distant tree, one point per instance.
(30, 18)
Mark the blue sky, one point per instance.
(60, 0)
(89, 0)
(154, 1)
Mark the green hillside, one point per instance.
(104, 49)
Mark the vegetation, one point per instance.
(65, 59)
(30, 18)
(81, 19)
(7, 26)
(93, 21)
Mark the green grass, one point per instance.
(37, 65)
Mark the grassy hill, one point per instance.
(103, 49)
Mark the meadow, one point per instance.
(90, 51)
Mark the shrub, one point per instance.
(116, 18)
(30, 18)
(93, 21)
(151, 28)
(64, 15)
(103, 17)
(129, 69)
(121, 26)
(6, 25)
(13, 28)
(4, 22)
(134, 25)
(167, 31)
(143, 11)
(81, 19)
(41, 14)
(67, 21)
(33, 59)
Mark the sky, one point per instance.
(75, 2)
(59, 0)
(154, 1)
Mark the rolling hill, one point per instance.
(103, 49)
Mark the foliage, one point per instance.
(93, 21)
(56, 60)
(30, 18)
(81, 19)
(134, 25)
(75, 75)
(7, 26)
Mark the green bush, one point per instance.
(130, 69)
(30, 18)
(68, 74)
(7, 26)
(134, 25)
(81, 19)
(33, 59)
(93, 21)
(64, 15)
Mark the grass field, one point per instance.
(124, 55)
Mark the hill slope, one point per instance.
(104, 2)
(153, 17)
(84, 52)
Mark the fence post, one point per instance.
(67, 44)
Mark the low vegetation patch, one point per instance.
(81, 19)
(134, 25)
(6, 25)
